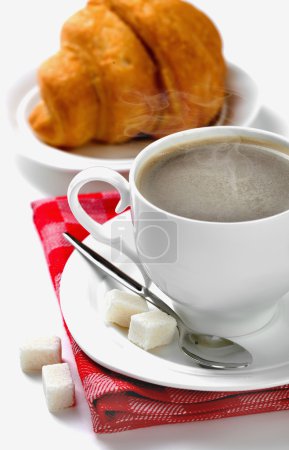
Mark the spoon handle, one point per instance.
(120, 276)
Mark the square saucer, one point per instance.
(82, 291)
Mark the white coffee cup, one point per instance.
(223, 278)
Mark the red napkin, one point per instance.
(116, 402)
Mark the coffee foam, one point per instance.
(223, 181)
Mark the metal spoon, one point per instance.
(206, 350)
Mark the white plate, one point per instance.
(82, 292)
(241, 107)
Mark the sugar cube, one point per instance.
(38, 352)
(58, 386)
(151, 329)
(122, 305)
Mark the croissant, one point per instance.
(130, 67)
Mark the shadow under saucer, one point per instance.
(51, 181)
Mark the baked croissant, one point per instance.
(127, 67)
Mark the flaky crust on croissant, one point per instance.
(127, 67)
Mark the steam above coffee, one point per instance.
(231, 181)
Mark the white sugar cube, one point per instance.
(38, 352)
(58, 386)
(122, 305)
(151, 329)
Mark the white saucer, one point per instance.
(241, 107)
(82, 292)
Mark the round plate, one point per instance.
(241, 107)
(82, 293)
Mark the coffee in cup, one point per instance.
(233, 180)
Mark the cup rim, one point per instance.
(205, 133)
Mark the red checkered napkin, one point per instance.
(116, 402)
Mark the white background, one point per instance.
(256, 37)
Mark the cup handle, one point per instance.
(97, 174)
(94, 228)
